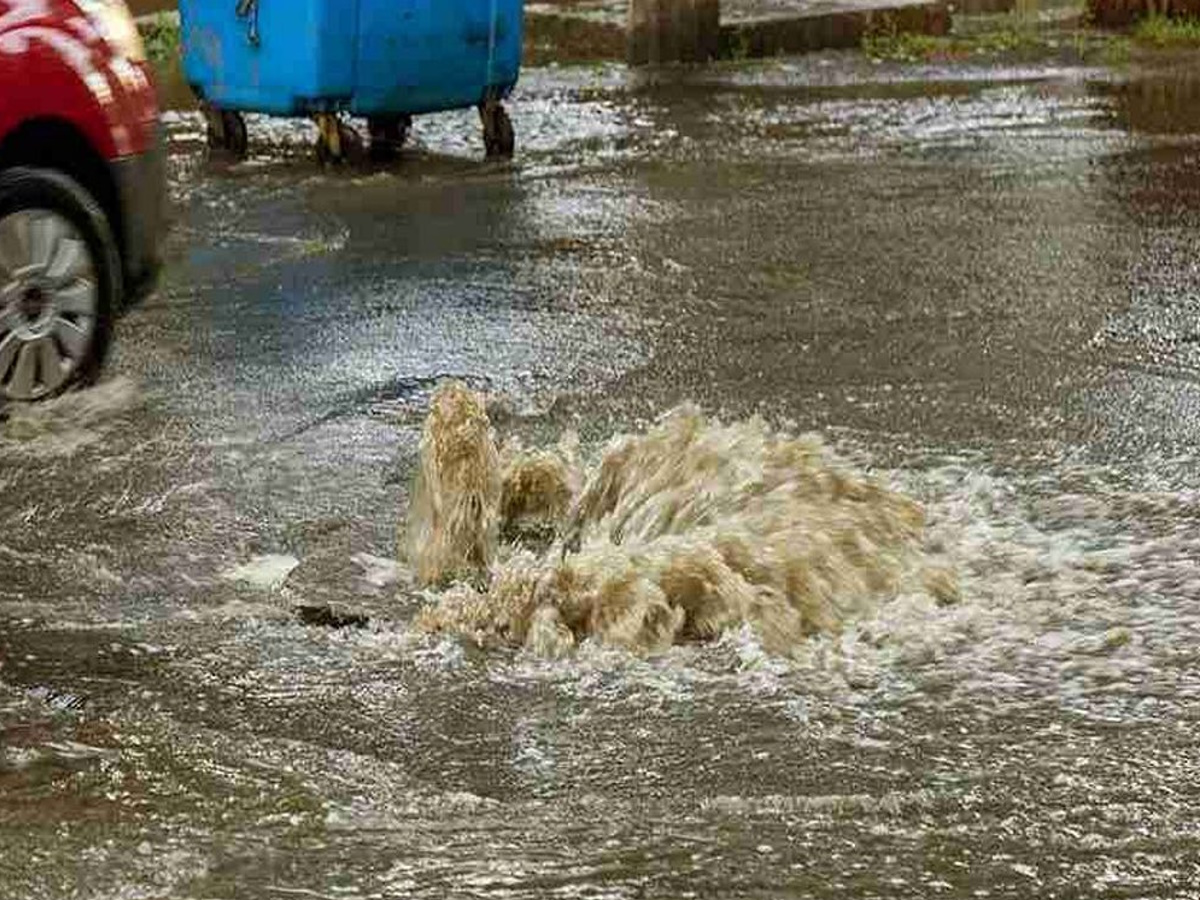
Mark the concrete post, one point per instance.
(670, 31)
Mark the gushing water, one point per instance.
(454, 516)
(537, 487)
(676, 535)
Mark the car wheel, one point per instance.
(60, 279)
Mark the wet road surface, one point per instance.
(978, 283)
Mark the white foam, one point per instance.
(267, 572)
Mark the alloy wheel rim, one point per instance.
(48, 303)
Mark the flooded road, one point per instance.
(977, 284)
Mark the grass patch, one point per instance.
(161, 36)
(892, 46)
(163, 40)
(1158, 30)
(903, 47)
(1019, 35)
(1115, 50)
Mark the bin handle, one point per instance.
(248, 9)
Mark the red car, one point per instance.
(81, 187)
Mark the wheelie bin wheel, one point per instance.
(499, 141)
(336, 141)
(237, 139)
(388, 134)
(214, 128)
(226, 130)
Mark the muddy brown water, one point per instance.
(977, 283)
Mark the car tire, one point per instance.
(59, 284)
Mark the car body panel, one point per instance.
(56, 67)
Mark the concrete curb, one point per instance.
(554, 35)
(557, 31)
(842, 29)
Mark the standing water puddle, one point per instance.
(688, 719)
(748, 665)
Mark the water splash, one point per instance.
(65, 424)
(454, 515)
(679, 535)
(538, 487)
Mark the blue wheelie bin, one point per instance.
(385, 60)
